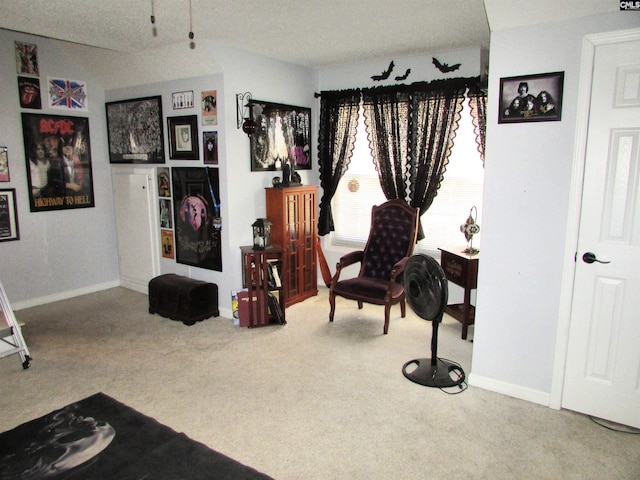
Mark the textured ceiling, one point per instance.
(313, 33)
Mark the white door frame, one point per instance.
(589, 44)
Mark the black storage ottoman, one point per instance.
(183, 299)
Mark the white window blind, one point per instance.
(461, 189)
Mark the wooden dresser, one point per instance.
(293, 212)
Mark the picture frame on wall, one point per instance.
(183, 137)
(135, 130)
(4, 165)
(182, 99)
(531, 98)
(58, 162)
(197, 222)
(210, 147)
(8, 215)
(283, 133)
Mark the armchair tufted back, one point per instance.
(393, 233)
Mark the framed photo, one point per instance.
(26, 58)
(8, 215)
(4, 165)
(197, 223)
(210, 147)
(58, 156)
(282, 134)
(209, 101)
(29, 90)
(167, 243)
(166, 217)
(531, 98)
(182, 100)
(134, 128)
(164, 181)
(183, 137)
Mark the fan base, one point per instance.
(437, 375)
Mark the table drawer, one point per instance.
(455, 270)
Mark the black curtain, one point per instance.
(336, 139)
(386, 115)
(411, 130)
(435, 116)
(478, 105)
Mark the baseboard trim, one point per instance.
(509, 389)
(34, 302)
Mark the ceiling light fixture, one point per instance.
(192, 44)
(154, 29)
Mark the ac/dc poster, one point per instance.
(196, 210)
(58, 155)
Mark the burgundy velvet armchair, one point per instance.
(393, 233)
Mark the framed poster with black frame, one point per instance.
(134, 129)
(197, 223)
(58, 157)
(531, 98)
(283, 132)
(183, 137)
(8, 215)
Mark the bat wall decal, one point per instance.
(443, 67)
(403, 77)
(384, 75)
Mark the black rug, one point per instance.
(101, 438)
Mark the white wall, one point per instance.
(65, 252)
(527, 179)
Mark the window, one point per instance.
(461, 189)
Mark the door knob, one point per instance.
(591, 257)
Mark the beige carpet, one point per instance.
(308, 400)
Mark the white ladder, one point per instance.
(11, 335)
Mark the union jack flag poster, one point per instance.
(68, 94)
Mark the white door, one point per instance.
(134, 224)
(602, 376)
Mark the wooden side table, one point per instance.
(461, 269)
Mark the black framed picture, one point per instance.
(531, 98)
(8, 215)
(58, 157)
(183, 137)
(210, 146)
(197, 222)
(282, 135)
(134, 129)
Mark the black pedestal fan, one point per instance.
(426, 291)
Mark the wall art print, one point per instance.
(29, 92)
(210, 147)
(531, 98)
(8, 215)
(197, 222)
(135, 130)
(164, 181)
(283, 134)
(4, 165)
(209, 100)
(58, 156)
(67, 94)
(26, 58)
(166, 237)
(183, 137)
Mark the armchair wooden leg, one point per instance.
(387, 313)
(403, 308)
(332, 302)
(360, 305)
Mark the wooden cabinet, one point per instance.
(461, 269)
(293, 212)
(261, 271)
